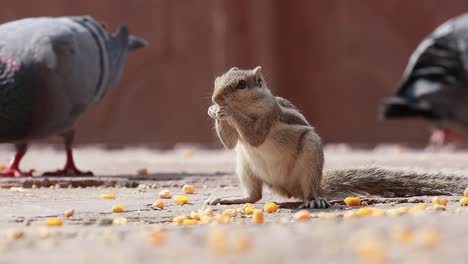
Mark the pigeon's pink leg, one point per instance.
(70, 168)
(13, 169)
(441, 137)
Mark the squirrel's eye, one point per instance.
(242, 84)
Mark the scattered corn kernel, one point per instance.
(230, 212)
(188, 153)
(302, 215)
(249, 210)
(206, 219)
(195, 216)
(119, 221)
(439, 207)
(142, 172)
(242, 243)
(181, 199)
(429, 238)
(402, 235)
(217, 242)
(165, 194)
(371, 251)
(44, 232)
(16, 189)
(364, 204)
(179, 219)
(464, 201)
(324, 215)
(352, 201)
(118, 208)
(69, 213)
(465, 193)
(108, 196)
(189, 222)
(158, 204)
(54, 222)
(188, 189)
(270, 207)
(157, 237)
(249, 205)
(15, 234)
(257, 217)
(208, 211)
(398, 211)
(439, 201)
(223, 218)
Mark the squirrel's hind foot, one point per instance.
(318, 203)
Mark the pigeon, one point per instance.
(434, 85)
(52, 70)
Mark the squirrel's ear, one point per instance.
(257, 71)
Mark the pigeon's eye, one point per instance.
(242, 84)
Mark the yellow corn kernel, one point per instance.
(118, 208)
(189, 222)
(257, 217)
(371, 251)
(230, 212)
(418, 207)
(402, 235)
(165, 194)
(249, 205)
(398, 211)
(158, 204)
(188, 189)
(206, 219)
(157, 237)
(223, 219)
(188, 153)
(142, 172)
(217, 242)
(69, 213)
(108, 196)
(270, 207)
(464, 201)
(439, 207)
(302, 215)
(352, 201)
(54, 222)
(208, 212)
(439, 201)
(465, 193)
(249, 210)
(15, 234)
(119, 221)
(179, 199)
(195, 216)
(429, 238)
(364, 204)
(179, 219)
(242, 243)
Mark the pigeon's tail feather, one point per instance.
(397, 107)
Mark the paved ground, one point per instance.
(427, 236)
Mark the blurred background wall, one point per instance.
(335, 59)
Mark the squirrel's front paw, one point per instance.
(223, 112)
(212, 111)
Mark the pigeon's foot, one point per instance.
(15, 172)
(68, 171)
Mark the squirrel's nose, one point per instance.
(218, 99)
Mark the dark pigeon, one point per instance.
(52, 70)
(435, 84)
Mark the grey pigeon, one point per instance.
(435, 83)
(52, 70)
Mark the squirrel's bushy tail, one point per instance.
(384, 182)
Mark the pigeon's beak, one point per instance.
(136, 43)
